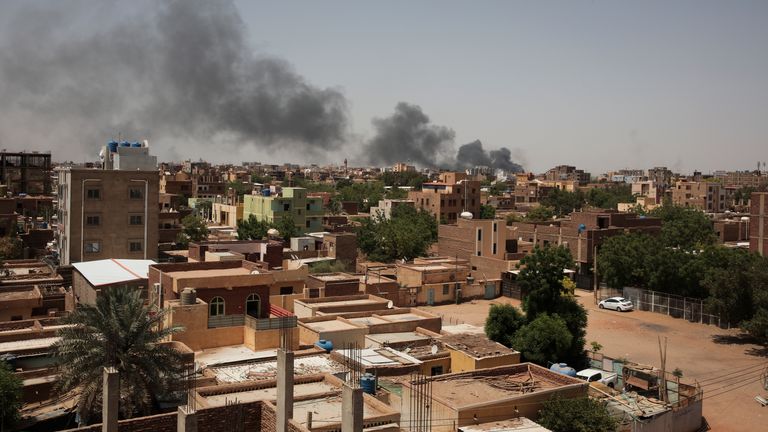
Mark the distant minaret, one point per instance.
(345, 165)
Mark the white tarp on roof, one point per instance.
(111, 271)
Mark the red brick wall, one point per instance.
(235, 298)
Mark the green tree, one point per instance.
(544, 340)
(240, 188)
(541, 277)
(514, 217)
(286, 227)
(252, 228)
(364, 194)
(193, 229)
(563, 202)
(498, 188)
(503, 322)
(487, 212)
(610, 197)
(576, 415)
(406, 235)
(119, 331)
(621, 259)
(10, 395)
(540, 214)
(684, 227)
(328, 267)
(405, 178)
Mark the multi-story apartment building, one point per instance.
(403, 167)
(662, 176)
(107, 213)
(449, 197)
(271, 206)
(705, 196)
(568, 172)
(28, 173)
(754, 179)
(758, 223)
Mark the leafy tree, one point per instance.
(541, 277)
(11, 247)
(396, 193)
(540, 214)
(10, 395)
(265, 179)
(252, 228)
(503, 322)
(576, 415)
(407, 234)
(328, 267)
(203, 206)
(286, 227)
(487, 212)
(684, 227)
(563, 202)
(544, 340)
(514, 217)
(119, 331)
(364, 194)
(240, 188)
(610, 197)
(498, 188)
(405, 178)
(194, 228)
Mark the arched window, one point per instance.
(253, 305)
(216, 306)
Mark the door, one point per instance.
(431, 296)
(490, 291)
(253, 305)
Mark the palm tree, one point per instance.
(119, 331)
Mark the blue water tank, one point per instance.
(136, 144)
(125, 144)
(563, 369)
(325, 344)
(112, 146)
(266, 192)
(368, 384)
(582, 228)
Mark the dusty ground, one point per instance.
(728, 367)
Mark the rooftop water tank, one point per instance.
(368, 384)
(582, 228)
(324, 345)
(466, 215)
(112, 146)
(188, 296)
(563, 368)
(266, 192)
(136, 145)
(125, 144)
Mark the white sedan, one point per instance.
(616, 303)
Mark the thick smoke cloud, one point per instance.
(182, 73)
(408, 136)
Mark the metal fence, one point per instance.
(226, 321)
(691, 309)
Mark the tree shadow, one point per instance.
(760, 349)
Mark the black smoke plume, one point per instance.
(181, 72)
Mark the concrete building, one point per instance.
(568, 173)
(662, 176)
(482, 242)
(227, 210)
(110, 212)
(28, 173)
(705, 196)
(486, 395)
(127, 156)
(449, 197)
(758, 223)
(90, 279)
(385, 207)
(331, 285)
(403, 167)
(291, 202)
(471, 352)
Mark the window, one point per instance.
(446, 289)
(93, 220)
(308, 206)
(93, 193)
(436, 370)
(286, 290)
(135, 193)
(494, 248)
(135, 246)
(307, 224)
(136, 220)
(479, 253)
(253, 305)
(92, 246)
(479, 235)
(494, 227)
(216, 306)
(287, 207)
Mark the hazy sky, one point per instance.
(598, 84)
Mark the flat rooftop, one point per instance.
(367, 320)
(331, 303)
(489, 385)
(378, 357)
(267, 370)
(269, 393)
(330, 325)
(25, 293)
(327, 410)
(28, 344)
(404, 317)
(208, 273)
(511, 425)
(478, 346)
(231, 354)
(402, 337)
(462, 329)
(333, 277)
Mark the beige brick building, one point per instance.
(449, 197)
(705, 196)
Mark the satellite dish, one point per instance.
(389, 304)
(466, 215)
(255, 272)
(434, 349)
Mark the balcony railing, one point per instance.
(226, 321)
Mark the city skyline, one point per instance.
(598, 85)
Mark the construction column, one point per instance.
(110, 399)
(284, 389)
(351, 409)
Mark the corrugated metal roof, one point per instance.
(112, 271)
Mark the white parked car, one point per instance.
(616, 303)
(595, 375)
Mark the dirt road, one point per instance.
(728, 367)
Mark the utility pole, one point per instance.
(663, 383)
